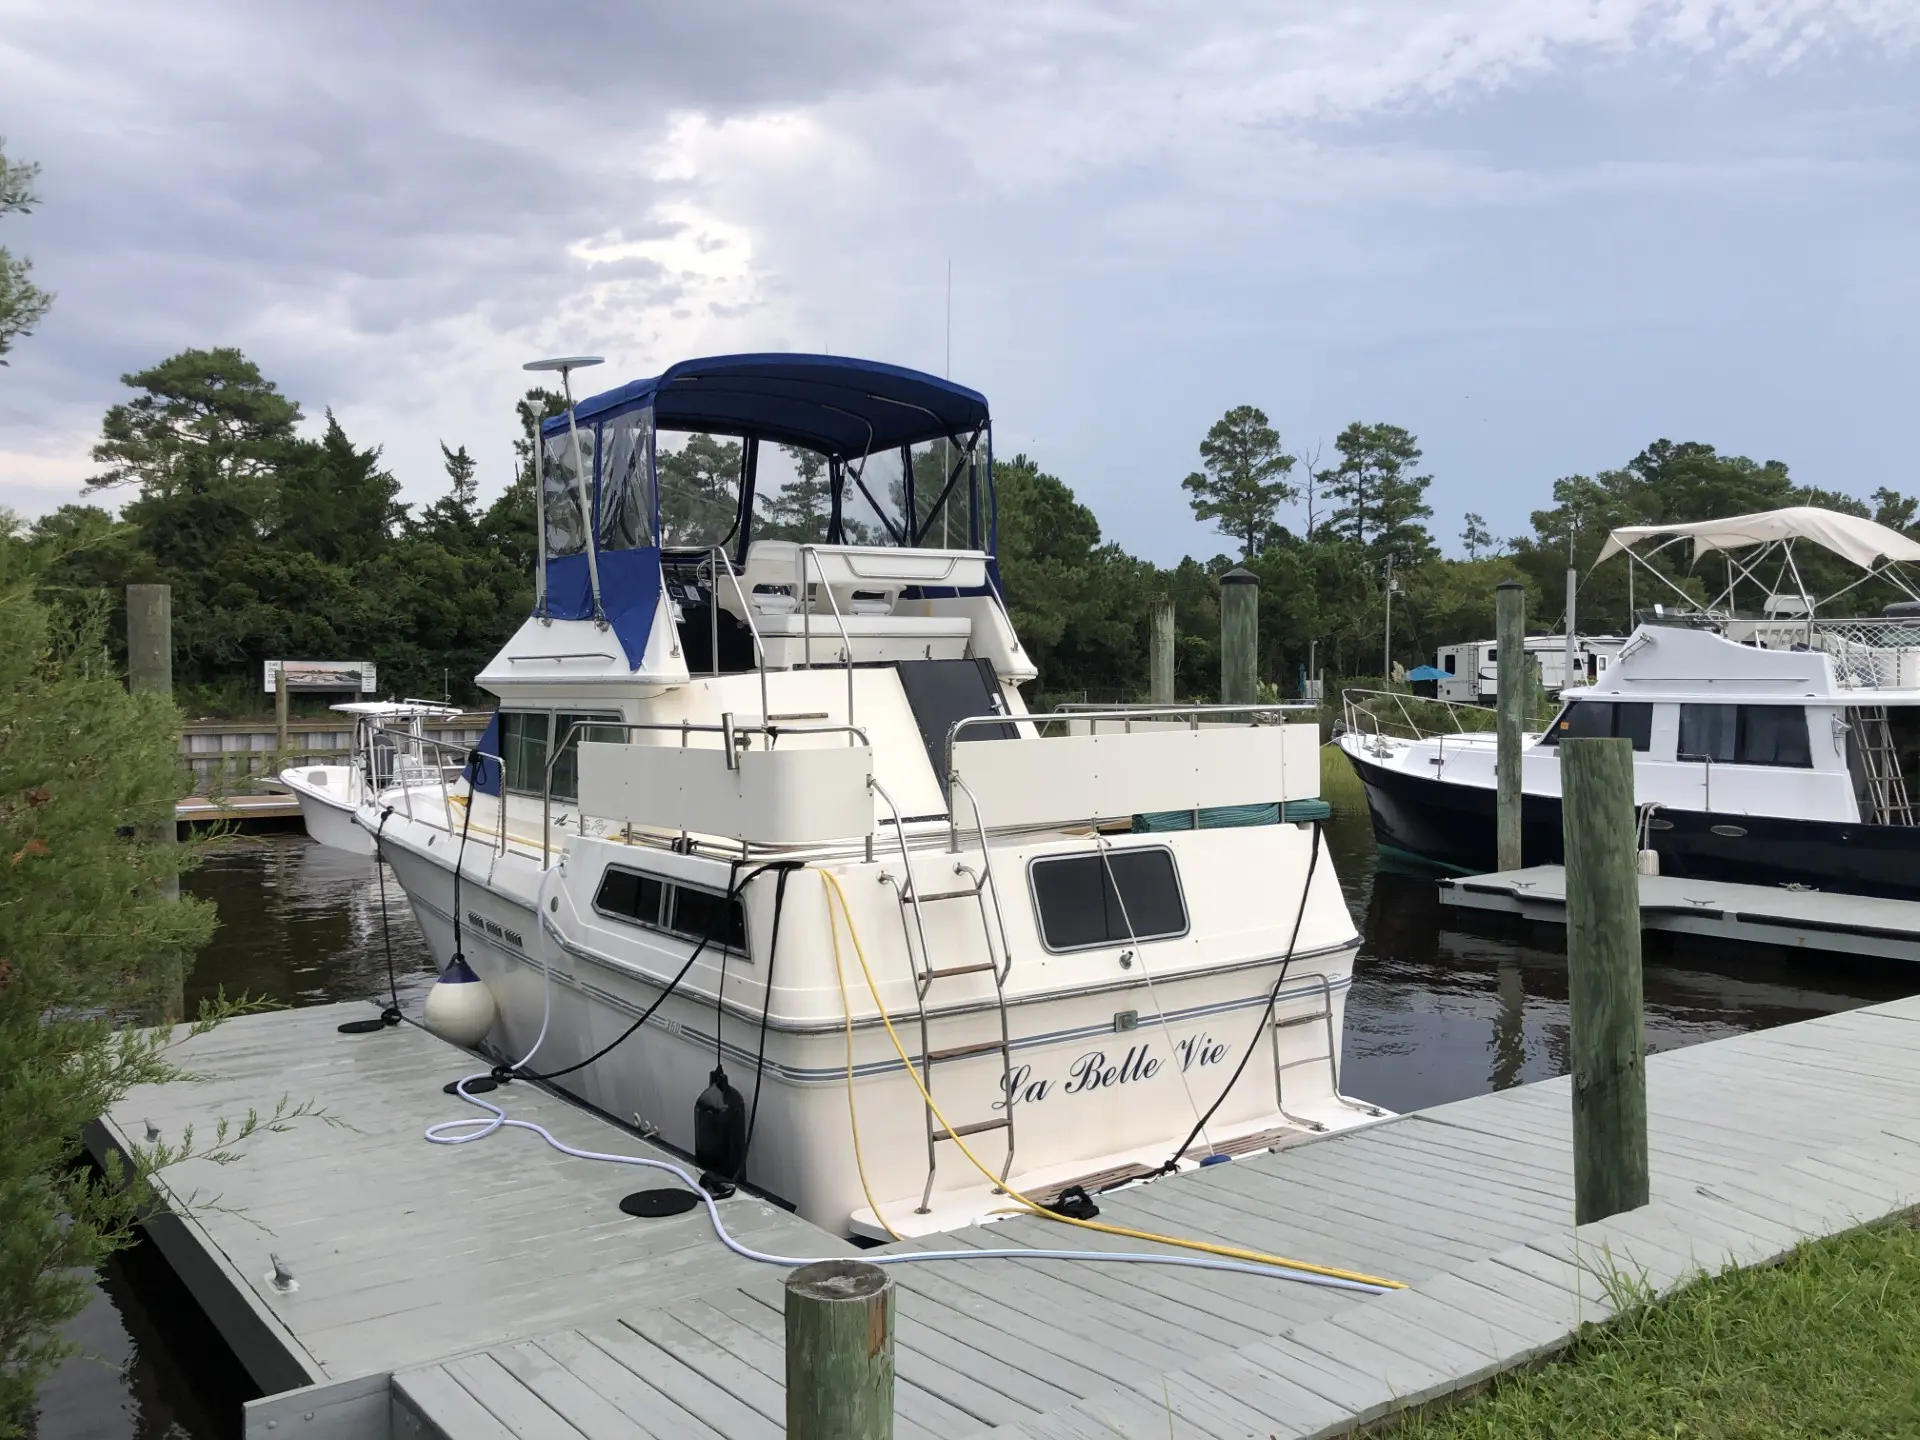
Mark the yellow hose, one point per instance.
(1229, 1252)
(853, 1115)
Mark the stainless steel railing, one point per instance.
(806, 619)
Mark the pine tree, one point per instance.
(1241, 484)
(454, 519)
(1380, 501)
(336, 503)
(1474, 535)
(22, 303)
(87, 772)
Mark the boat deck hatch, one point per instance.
(942, 692)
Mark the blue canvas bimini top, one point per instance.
(842, 408)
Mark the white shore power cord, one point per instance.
(467, 1130)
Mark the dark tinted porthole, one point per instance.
(1084, 901)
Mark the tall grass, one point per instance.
(1340, 786)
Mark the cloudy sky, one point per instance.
(1539, 233)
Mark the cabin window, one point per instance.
(560, 491)
(1623, 720)
(626, 481)
(1746, 734)
(682, 911)
(700, 478)
(523, 750)
(566, 767)
(1085, 901)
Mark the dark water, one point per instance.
(1441, 1009)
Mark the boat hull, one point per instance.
(1451, 825)
(1097, 1074)
(327, 810)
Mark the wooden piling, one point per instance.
(1608, 1041)
(280, 717)
(150, 672)
(1161, 652)
(1510, 668)
(1239, 637)
(839, 1351)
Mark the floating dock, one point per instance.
(267, 809)
(1758, 914)
(493, 1291)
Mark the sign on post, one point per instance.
(356, 675)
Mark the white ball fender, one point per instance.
(460, 1007)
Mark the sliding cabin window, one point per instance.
(1082, 906)
(1746, 735)
(526, 738)
(682, 911)
(1620, 720)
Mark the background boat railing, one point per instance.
(811, 553)
(424, 763)
(1395, 715)
(1871, 653)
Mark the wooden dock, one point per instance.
(1757, 914)
(493, 1291)
(249, 811)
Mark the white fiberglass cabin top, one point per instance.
(1774, 745)
(764, 825)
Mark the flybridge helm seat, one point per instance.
(736, 463)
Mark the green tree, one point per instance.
(1474, 535)
(1242, 481)
(1075, 601)
(22, 303)
(454, 519)
(86, 937)
(1380, 501)
(335, 502)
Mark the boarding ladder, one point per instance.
(980, 889)
(1886, 786)
(1330, 1057)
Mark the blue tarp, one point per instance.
(840, 407)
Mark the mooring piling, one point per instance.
(1160, 667)
(1239, 637)
(1510, 670)
(1603, 978)
(839, 1351)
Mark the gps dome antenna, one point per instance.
(566, 365)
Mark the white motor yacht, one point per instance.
(1773, 745)
(766, 845)
(386, 750)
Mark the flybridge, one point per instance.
(699, 462)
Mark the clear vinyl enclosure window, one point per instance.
(700, 477)
(873, 500)
(626, 481)
(560, 494)
(943, 494)
(792, 494)
(1085, 901)
(566, 765)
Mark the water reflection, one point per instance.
(1448, 1004)
(1443, 1007)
